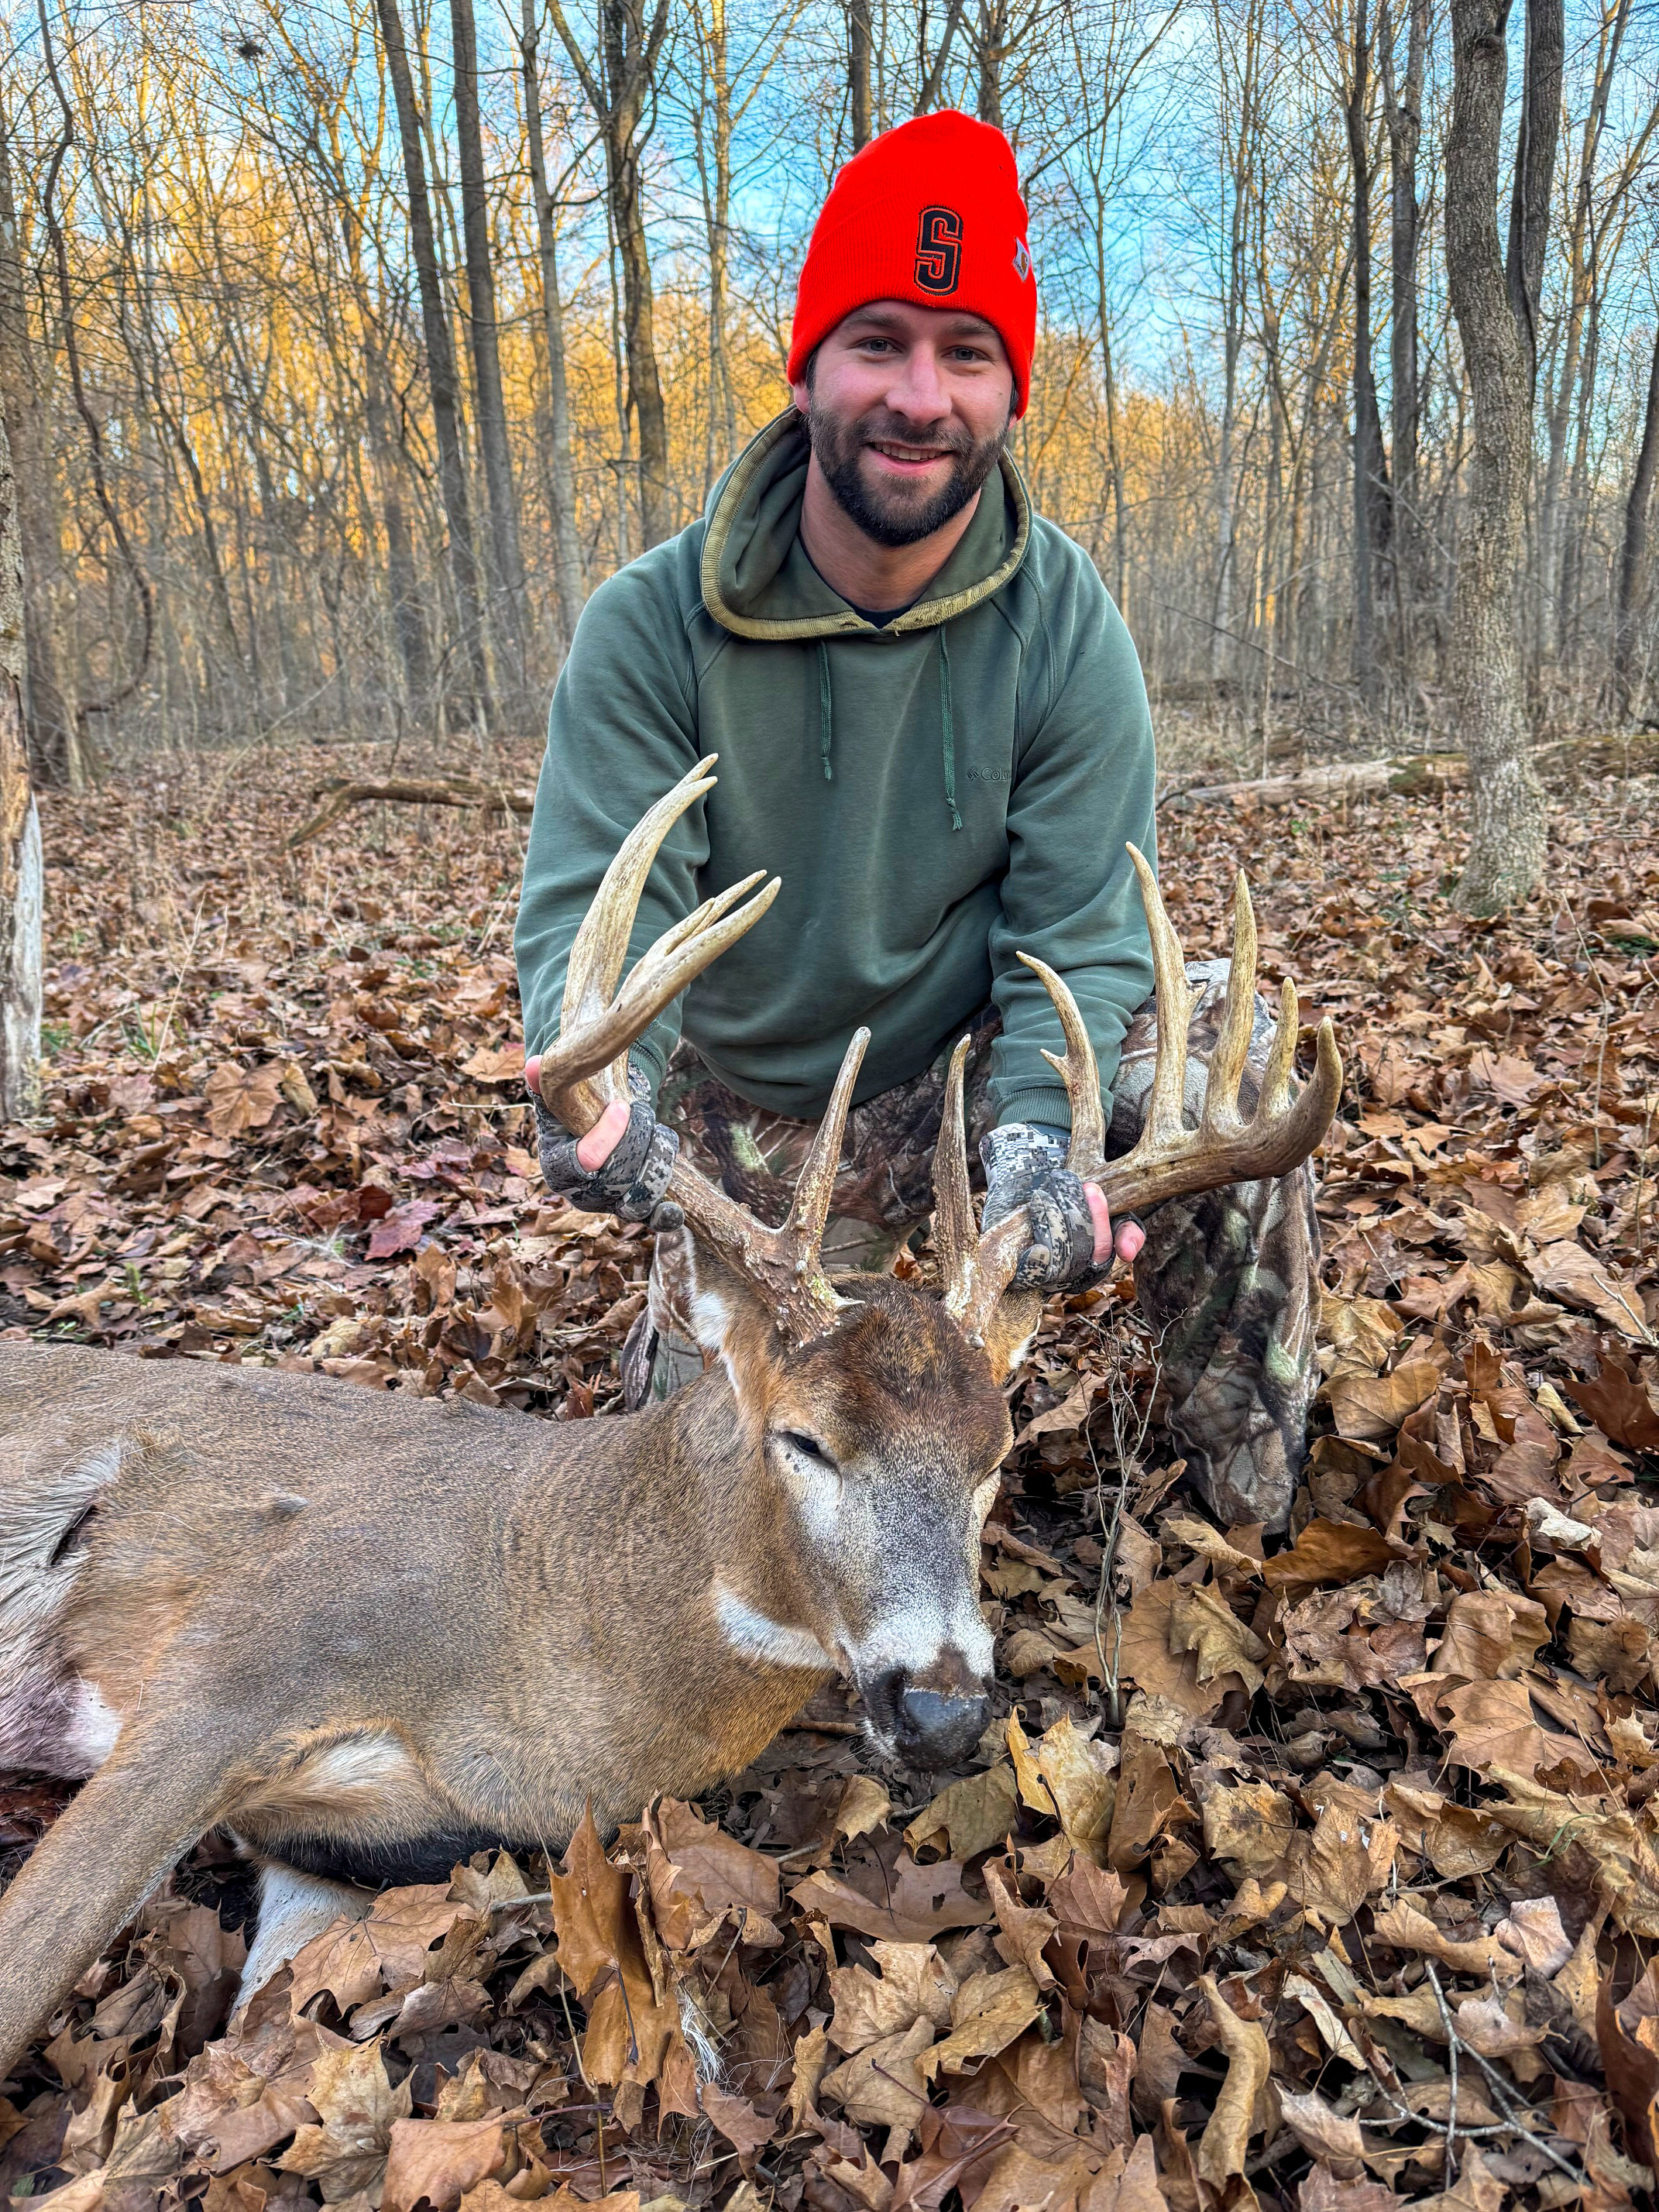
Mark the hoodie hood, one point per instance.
(758, 583)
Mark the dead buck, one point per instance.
(372, 1634)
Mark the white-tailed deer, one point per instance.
(374, 1633)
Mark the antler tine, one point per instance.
(1165, 1107)
(1227, 1062)
(810, 1209)
(1077, 1069)
(586, 1067)
(1169, 1160)
(956, 1232)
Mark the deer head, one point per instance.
(871, 1413)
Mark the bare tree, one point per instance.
(1403, 101)
(562, 483)
(441, 380)
(21, 873)
(508, 559)
(1633, 551)
(1370, 487)
(620, 85)
(1495, 299)
(860, 42)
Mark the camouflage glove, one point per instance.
(632, 1181)
(1024, 1165)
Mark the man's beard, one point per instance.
(892, 516)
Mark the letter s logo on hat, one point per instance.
(938, 250)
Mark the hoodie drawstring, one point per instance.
(947, 723)
(948, 728)
(826, 719)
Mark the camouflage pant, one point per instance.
(1228, 1280)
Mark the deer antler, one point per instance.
(1169, 1160)
(586, 1067)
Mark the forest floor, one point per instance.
(1317, 1872)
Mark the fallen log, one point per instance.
(1416, 773)
(340, 792)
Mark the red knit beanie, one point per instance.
(929, 213)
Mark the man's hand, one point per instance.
(1071, 1231)
(623, 1164)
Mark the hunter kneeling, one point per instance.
(932, 721)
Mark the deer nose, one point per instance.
(937, 1730)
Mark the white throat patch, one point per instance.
(757, 1636)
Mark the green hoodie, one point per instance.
(937, 795)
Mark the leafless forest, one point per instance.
(345, 347)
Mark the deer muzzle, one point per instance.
(933, 1719)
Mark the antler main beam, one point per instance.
(602, 1015)
(1169, 1159)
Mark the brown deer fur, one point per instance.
(353, 1626)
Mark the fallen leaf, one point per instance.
(1330, 1552)
(1324, 2132)
(1221, 2147)
(439, 2160)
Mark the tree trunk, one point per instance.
(1506, 857)
(617, 95)
(1403, 106)
(21, 873)
(560, 477)
(439, 366)
(50, 715)
(859, 44)
(992, 50)
(1371, 524)
(508, 559)
(1633, 551)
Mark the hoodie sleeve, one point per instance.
(1083, 786)
(623, 729)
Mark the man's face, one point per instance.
(907, 408)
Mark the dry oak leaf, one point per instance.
(990, 2012)
(1491, 1725)
(1620, 1406)
(1567, 1270)
(1618, 1846)
(882, 2085)
(1135, 2188)
(1490, 1635)
(1324, 2132)
(699, 1878)
(1019, 2181)
(1148, 1658)
(246, 2092)
(1324, 2192)
(918, 1903)
(746, 2130)
(439, 2160)
(1407, 1928)
(1107, 2063)
(393, 1943)
(1250, 1826)
(356, 2106)
(1331, 1551)
(85, 2194)
(239, 1099)
(865, 1806)
(1534, 1932)
(1201, 1623)
(1477, 2188)
(1022, 1930)
(1070, 1778)
(1210, 1544)
(592, 1917)
(969, 1817)
(1371, 1409)
(1148, 1803)
(496, 1064)
(1221, 2147)
(1455, 1841)
(1331, 1873)
(915, 1983)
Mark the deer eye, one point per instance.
(808, 1447)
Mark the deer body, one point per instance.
(372, 1633)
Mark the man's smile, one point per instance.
(908, 460)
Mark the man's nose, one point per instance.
(917, 391)
(939, 1726)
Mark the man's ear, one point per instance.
(1012, 1327)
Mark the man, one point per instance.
(932, 724)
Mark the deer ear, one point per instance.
(731, 1318)
(1012, 1325)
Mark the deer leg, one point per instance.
(132, 1822)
